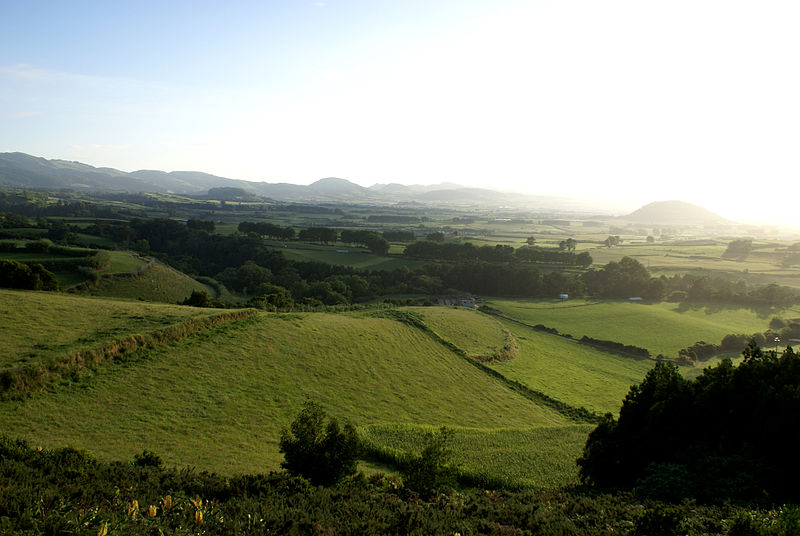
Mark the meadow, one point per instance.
(346, 255)
(542, 457)
(42, 326)
(475, 333)
(574, 373)
(662, 327)
(159, 283)
(218, 400)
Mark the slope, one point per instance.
(219, 400)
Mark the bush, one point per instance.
(322, 453)
(431, 472)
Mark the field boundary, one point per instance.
(578, 415)
(21, 379)
(585, 340)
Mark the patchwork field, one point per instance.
(345, 255)
(662, 328)
(218, 400)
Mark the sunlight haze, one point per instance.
(632, 101)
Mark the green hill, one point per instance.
(159, 283)
(217, 398)
(662, 328)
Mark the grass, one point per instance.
(42, 326)
(533, 457)
(124, 262)
(158, 284)
(662, 328)
(571, 372)
(219, 400)
(345, 255)
(475, 333)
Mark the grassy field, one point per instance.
(475, 333)
(571, 372)
(41, 326)
(158, 284)
(345, 255)
(218, 401)
(662, 328)
(533, 457)
(123, 262)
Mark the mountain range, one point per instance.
(20, 170)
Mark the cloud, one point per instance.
(24, 71)
(21, 115)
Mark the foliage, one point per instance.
(731, 429)
(322, 452)
(431, 471)
(15, 274)
(198, 298)
(623, 279)
(739, 248)
(66, 491)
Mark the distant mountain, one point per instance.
(187, 182)
(674, 213)
(19, 170)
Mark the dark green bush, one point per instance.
(431, 471)
(322, 452)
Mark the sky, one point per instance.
(623, 100)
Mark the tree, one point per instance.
(431, 472)
(739, 248)
(198, 298)
(531, 240)
(570, 244)
(323, 453)
(200, 225)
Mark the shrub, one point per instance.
(431, 471)
(199, 298)
(322, 453)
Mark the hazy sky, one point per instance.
(643, 100)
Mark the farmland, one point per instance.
(662, 327)
(242, 382)
(40, 327)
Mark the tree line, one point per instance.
(461, 252)
(730, 433)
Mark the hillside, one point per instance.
(43, 326)
(159, 283)
(674, 213)
(218, 398)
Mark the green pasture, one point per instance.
(344, 255)
(663, 327)
(473, 332)
(158, 284)
(574, 373)
(42, 326)
(218, 401)
(532, 457)
(124, 262)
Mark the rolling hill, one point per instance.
(19, 170)
(218, 395)
(674, 213)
